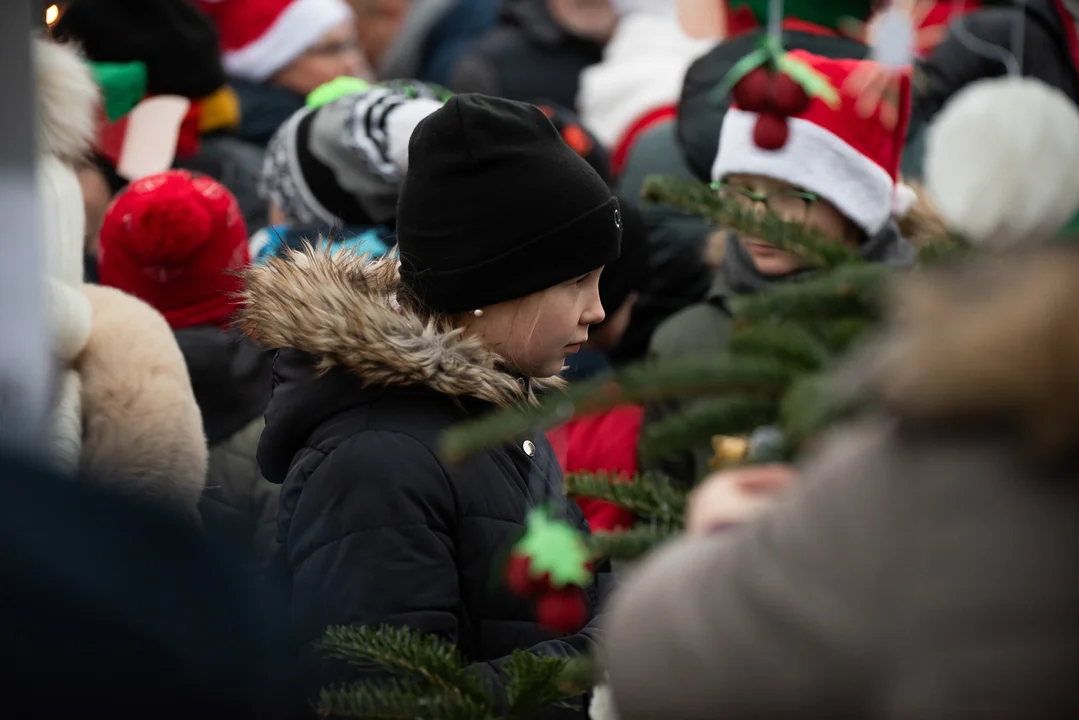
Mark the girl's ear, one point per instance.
(703, 19)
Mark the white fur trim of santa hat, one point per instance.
(815, 159)
(1002, 161)
(294, 31)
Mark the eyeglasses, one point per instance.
(335, 48)
(789, 204)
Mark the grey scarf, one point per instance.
(742, 276)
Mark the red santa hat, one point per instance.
(176, 240)
(259, 37)
(826, 148)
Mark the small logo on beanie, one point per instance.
(617, 218)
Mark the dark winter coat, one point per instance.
(528, 57)
(263, 109)
(377, 526)
(924, 565)
(231, 377)
(700, 112)
(1050, 54)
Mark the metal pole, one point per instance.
(25, 356)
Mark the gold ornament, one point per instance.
(728, 450)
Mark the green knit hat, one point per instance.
(827, 13)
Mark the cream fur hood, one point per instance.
(142, 431)
(341, 308)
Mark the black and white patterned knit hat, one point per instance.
(342, 163)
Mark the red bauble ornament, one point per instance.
(771, 131)
(563, 610)
(519, 578)
(788, 97)
(753, 92)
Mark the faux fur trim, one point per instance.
(340, 307)
(994, 340)
(923, 222)
(67, 100)
(142, 429)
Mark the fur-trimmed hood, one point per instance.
(67, 100)
(995, 341)
(341, 308)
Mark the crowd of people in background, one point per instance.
(290, 242)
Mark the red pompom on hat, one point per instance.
(259, 37)
(851, 161)
(176, 240)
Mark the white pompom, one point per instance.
(1002, 161)
(602, 705)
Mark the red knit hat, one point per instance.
(176, 240)
(851, 161)
(259, 37)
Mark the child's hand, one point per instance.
(735, 496)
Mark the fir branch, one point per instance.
(642, 383)
(786, 342)
(699, 421)
(852, 291)
(632, 544)
(400, 700)
(579, 675)
(943, 250)
(840, 334)
(536, 681)
(407, 652)
(648, 496)
(814, 247)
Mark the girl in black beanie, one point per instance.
(503, 231)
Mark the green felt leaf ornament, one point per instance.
(123, 86)
(556, 548)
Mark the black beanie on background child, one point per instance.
(496, 206)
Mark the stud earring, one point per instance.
(478, 312)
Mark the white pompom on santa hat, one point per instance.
(849, 158)
(260, 37)
(1002, 162)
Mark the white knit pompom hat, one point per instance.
(1002, 161)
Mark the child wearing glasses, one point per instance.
(829, 166)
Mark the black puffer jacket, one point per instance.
(700, 112)
(1050, 54)
(377, 527)
(528, 57)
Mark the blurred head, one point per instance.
(336, 54)
(377, 24)
(589, 19)
(791, 203)
(296, 44)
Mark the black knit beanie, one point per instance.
(628, 273)
(496, 206)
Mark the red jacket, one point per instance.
(601, 443)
